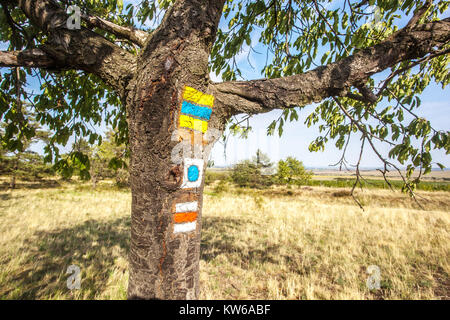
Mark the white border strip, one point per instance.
(186, 206)
(184, 227)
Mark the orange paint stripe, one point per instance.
(185, 217)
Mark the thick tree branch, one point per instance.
(335, 79)
(79, 49)
(134, 35)
(411, 65)
(12, 24)
(184, 19)
(34, 58)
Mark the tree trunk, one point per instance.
(163, 264)
(12, 184)
(166, 207)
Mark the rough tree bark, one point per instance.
(164, 265)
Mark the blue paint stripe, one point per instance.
(196, 111)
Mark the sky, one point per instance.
(297, 137)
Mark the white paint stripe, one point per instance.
(186, 206)
(184, 227)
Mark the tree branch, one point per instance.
(79, 49)
(335, 79)
(134, 35)
(368, 136)
(418, 14)
(33, 58)
(411, 65)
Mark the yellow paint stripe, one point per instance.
(198, 97)
(192, 123)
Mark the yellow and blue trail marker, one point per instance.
(196, 110)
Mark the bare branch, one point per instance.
(79, 49)
(342, 161)
(367, 136)
(134, 35)
(335, 79)
(358, 174)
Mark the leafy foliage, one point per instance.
(250, 173)
(296, 37)
(96, 162)
(292, 171)
(301, 35)
(247, 174)
(70, 103)
(20, 161)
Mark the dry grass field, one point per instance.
(434, 175)
(299, 243)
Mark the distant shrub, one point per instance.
(221, 187)
(248, 174)
(259, 202)
(291, 171)
(342, 193)
(208, 178)
(211, 176)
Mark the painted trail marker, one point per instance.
(185, 217)
(194, 113)
(195, 110)
(192, 173)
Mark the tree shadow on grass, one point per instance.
(94, 246)
(34, 184)
(219, 237)
(5, 196)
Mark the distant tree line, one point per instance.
(23, 163)
(107, 160)
(259, 172)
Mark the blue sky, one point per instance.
(296, 137)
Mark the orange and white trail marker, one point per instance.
(185, 217)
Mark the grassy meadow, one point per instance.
(310, 242)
